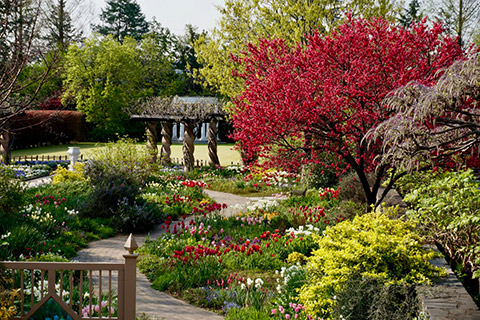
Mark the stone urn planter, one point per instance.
(73, 154)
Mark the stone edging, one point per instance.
(449, 300)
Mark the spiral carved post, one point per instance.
(167, 129)
(152, 141)
(5, 147)
(212, 144)
(189, 147)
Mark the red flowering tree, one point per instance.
(300, 103)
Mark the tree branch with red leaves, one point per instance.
(333, 88)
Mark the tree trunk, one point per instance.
(167, 128)
(5, 147)
(152, 141)
(212, 144)
(188, 147)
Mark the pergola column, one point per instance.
(5, 147)
(188, 146)
(167, 128)
(152, 140)
(212, 143)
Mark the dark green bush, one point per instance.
(11, 198)
(136, 217)
(351, 188)
(107, 194)
(321, 177)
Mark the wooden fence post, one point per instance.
(130, 288)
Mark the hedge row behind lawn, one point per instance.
(41, 127)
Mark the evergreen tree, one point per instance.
(460, 17)
(59, 27)
(410, 14)
(187, 64)
(123, 18)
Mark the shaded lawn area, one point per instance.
(226, 154)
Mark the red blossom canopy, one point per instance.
(322, 98)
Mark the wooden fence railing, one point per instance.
(76, 290)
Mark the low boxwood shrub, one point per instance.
(369, 246)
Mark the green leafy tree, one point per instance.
(247, 21)
(122, 18)
(103, 76)
(170, 62)
(187, 65)
(158, 72)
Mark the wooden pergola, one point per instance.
(189, 111)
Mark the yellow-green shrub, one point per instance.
(7, 310)
(369, 246)
(64, 175)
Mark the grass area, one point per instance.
(226, 154)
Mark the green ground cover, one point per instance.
(266, 262)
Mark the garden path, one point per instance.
(236, 204)
(156, 304)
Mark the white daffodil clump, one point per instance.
(303, 230)
(263, 205)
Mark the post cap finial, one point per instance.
(131, 245)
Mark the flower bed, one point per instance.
(306, 257)
(258, 264)
(34, 169)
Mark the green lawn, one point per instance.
(226, 154)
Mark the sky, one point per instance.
(175, 14)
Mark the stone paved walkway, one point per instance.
(156, 304)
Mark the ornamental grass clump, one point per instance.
(370, 246)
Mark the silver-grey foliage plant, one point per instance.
(431, 122)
